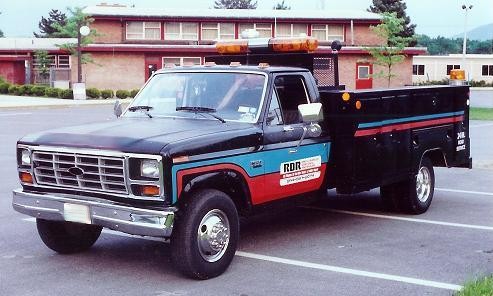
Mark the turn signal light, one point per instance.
(149, 190)
(26, 177)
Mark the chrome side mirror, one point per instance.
(117, 108)
(311, 112)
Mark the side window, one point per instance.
(291, 92)
(274, 117)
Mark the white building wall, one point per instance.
(436, 66)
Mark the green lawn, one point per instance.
(479, 287)
(481, 113)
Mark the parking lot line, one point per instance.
(400, 218)
(465, 191)
(363, 273)
(357, 272)
(14, 114)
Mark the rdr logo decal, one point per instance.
(300, 170)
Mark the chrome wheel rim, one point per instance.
(213, 235)
(423, 184)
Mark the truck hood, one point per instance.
(145, 135)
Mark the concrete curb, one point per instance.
(14, 102)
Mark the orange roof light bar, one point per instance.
(307, 44)
(232, 47)
(297, 44)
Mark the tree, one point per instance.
(399, 7)
(389, 53)
(1, 34)
(47, 26)
(282, 6)
(43, 62)
(235, 4)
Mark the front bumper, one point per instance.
(137, 221)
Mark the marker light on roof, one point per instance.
(210, 64)
(169, 65)
(298, 44)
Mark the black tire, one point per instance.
(203, 213)
(407, 196)
(67, 237)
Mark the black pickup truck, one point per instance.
(201, 146)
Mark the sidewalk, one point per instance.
(8, 101)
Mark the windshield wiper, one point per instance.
(201, 110)
(141, 108)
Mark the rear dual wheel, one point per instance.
(412, 196)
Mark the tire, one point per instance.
(67, 237)
(203, 214)
(412, 196)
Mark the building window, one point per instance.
(452, 67)
(291, 30)
(487, 70)
(328, 32)
(63, 61)
(181, 31)
(180, 61)
(214, 31)
(265, 30)
(418, 69)
(143, 31)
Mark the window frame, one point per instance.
(280, 102)
(181, 60)
(143, 33)
(181, 33)
(452, 67)
(218, 30)
(255, 25)
(417, 68)
(326, 30)
(489, 70)
(292, 26)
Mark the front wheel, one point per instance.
(414, 195)
(205, 234)
(67, 237)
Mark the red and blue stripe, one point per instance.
(407, 123)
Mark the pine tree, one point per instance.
(282, 6)
(399, 7)
(1, 34)
(235, 4)
(47, 26)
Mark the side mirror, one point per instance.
(311, 112)
(117, 108)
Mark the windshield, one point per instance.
(228, 95)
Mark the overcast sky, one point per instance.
(20, 18)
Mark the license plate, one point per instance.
(76, 213)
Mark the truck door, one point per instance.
(290, 170)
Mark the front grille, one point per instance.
(100, 173)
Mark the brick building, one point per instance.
(134, 42)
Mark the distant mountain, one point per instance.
(481, 33)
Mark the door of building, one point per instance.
(364, 79)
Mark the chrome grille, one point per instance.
(100, 173)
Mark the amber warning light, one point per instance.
(301, 44)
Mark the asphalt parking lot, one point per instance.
(342, 245)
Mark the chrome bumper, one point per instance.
(104, 213)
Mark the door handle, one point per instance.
(288, 128)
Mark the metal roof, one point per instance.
(124, 11)
(34, 43)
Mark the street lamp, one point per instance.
(82, 31)
(464, 42)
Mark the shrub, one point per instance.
(26, 89)
(39, 90)
(122, 94)
(65, 94)
(133, 93)
(93, 93)
(107, 93)
(4, 88)
(14, 90)
(52, 92)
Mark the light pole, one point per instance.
(81, 31)
(464, 42)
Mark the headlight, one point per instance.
(25, 157)
(149, 168)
